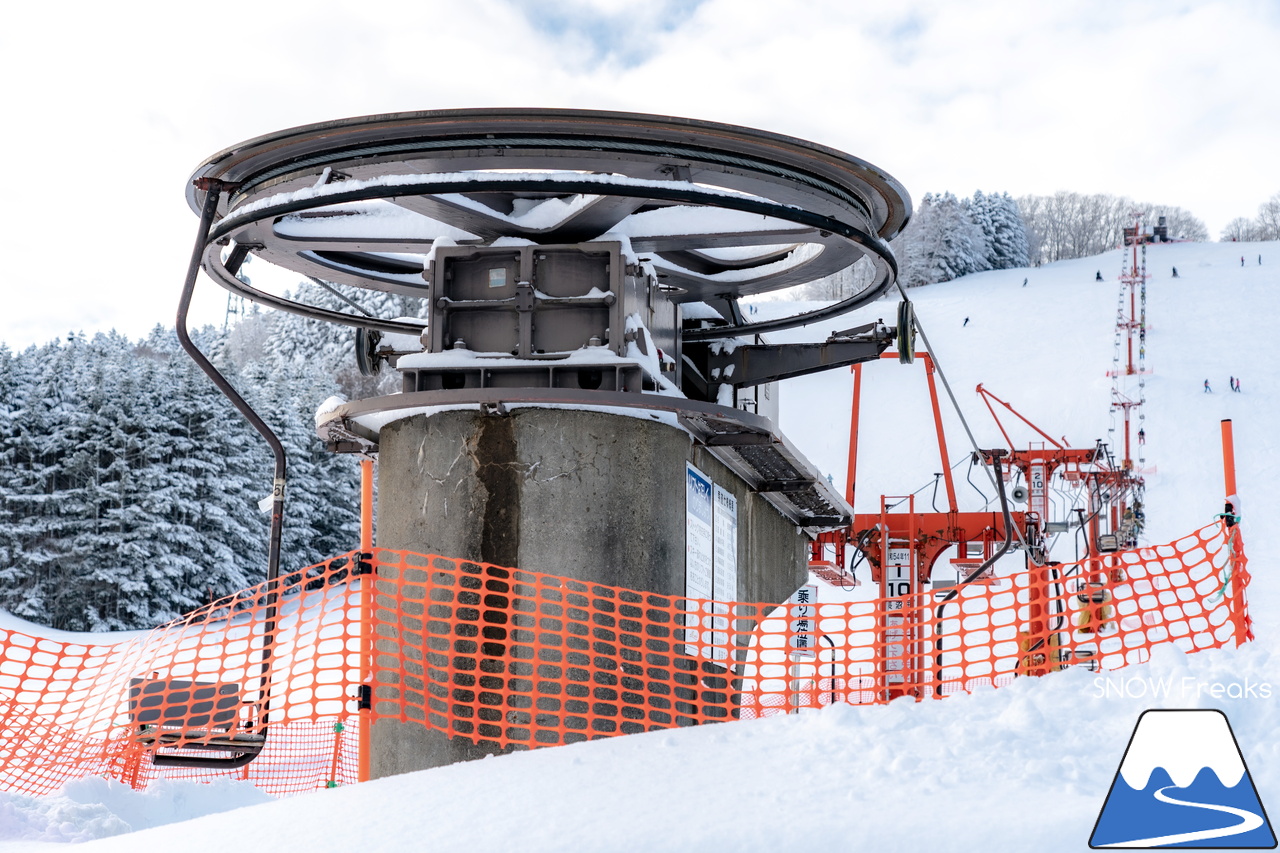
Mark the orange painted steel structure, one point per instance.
(1038, 465)
(1110, 488)
(929, 533)
(1238, 577)
(1229, 460)
(525, 659)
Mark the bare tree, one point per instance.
(1031, 208)
(1071, 225)
(1268, 222)
(1181, 223)
(1240, 229)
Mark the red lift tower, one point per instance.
(1133, 291)
(902, 546)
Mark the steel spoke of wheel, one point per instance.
(720, 212)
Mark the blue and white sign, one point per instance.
(699, 555)
(724, 580)
(699, 535)
(725, 514)
(1183, 783)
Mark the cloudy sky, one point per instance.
(109, 107)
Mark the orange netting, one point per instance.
(513, 659)
(73, 709)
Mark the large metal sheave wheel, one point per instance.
(720, 212)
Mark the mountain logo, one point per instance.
(1183, 783)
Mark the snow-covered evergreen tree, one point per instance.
(48, 500)
(129, 484)
(14, 382)
(941, 243)
(1006, 234)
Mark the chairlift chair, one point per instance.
(205, 716)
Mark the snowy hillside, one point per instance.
(1046, 349)
(1024, 767)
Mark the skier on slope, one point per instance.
(1098, 277)
(1207, 389)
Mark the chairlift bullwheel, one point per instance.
(789, 211)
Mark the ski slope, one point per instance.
(1025, 767)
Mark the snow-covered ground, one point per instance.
(1024, 767)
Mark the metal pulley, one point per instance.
(367, 357)
(906, 332)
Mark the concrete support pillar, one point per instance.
(588, 495)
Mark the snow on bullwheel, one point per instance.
(716, 212)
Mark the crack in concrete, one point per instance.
(467, 450)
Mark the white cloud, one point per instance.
(110, 107)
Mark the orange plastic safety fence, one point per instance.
(1102, 613)
(506, 657)
(513, 659)
(270, 670)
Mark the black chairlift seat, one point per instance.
(191, 715)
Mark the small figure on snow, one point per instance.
(1242, 260)
(1235, 384)
(1098, 277)
(965, 323)
(1231, 382)
(1175, 272)
(1142, 436)
(1024, 281)
(1207, 389)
